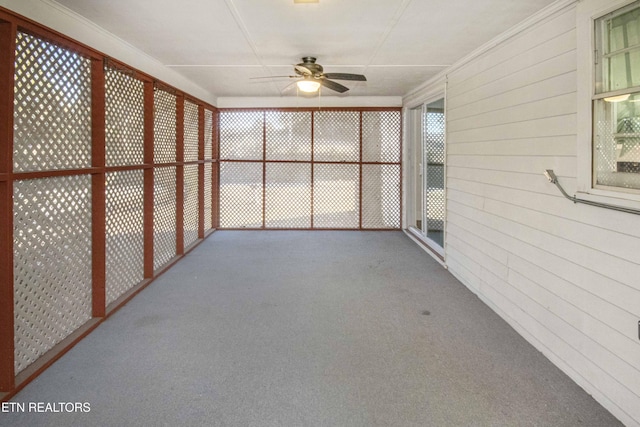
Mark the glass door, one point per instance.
(433, 173)
(426, 201)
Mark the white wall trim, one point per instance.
(305, 102)
(537, 17)
(65, 21)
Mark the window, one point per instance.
(616, 103)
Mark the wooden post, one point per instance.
(7, 60)
(148, 178)
(201, 166)
(180, 175)
(98, 186)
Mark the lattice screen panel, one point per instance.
(336, 136)
(380, 196)
(241, 135)
(240, 195)
(164, 215)
(288, 135)
(208, 170)
(52, 107)
(164, 128)
(381, 133)
(124, 117)
(336, 196)
(288, 195)
(190, 204)
(296, 142)
(124, 237)
(190, 132)
(52, 262)
(208, 134)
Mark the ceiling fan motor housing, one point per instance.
(309, 62)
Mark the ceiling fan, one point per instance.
(311, 76)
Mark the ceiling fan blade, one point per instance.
(346, 76)
(303, 70)
(333, 85)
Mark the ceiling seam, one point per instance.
(245, 31)
(392, 24)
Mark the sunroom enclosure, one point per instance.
(109, 176)
(563, 275)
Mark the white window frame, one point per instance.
(587, 13)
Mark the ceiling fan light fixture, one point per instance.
(308, 86)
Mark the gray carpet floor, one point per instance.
(284, 328)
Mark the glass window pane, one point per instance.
(618, 47)
(624, 70)
(616, 150)
(623, 31)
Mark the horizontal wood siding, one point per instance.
(566, 276)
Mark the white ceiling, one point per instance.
(221, 44)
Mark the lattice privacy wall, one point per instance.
(52, 107)
(124, 116)
(320, 169)
(288, 195)
(124, 228)
(208, 180)
(381, 132)
(164, 128)
(164, 215)
(52, 262)
(190, 132)
(336, 198)
(190, 204)
(210, 171)
(288, 135)
(241, 135)
(82, 235)
(336, 136)
(240, 195)
(208, 134)
(380, 196)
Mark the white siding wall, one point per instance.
(566, 276)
